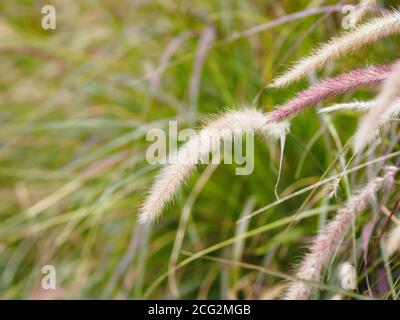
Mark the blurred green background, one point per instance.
(76, 104)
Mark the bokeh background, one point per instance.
(76, 104)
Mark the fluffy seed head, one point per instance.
(392, 112)
(355, 105)
(347, 82)
(392, 243)
(174, 175)
(376, 117)
(327, 242)
(350, 41)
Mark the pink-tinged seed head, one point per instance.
(330, 88)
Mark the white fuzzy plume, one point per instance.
(393, 110)
(355, 105)
(350, 41)
(174, 175)
(392, 243)
(327, 242)
(376, 117)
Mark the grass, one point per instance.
(76, 104)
